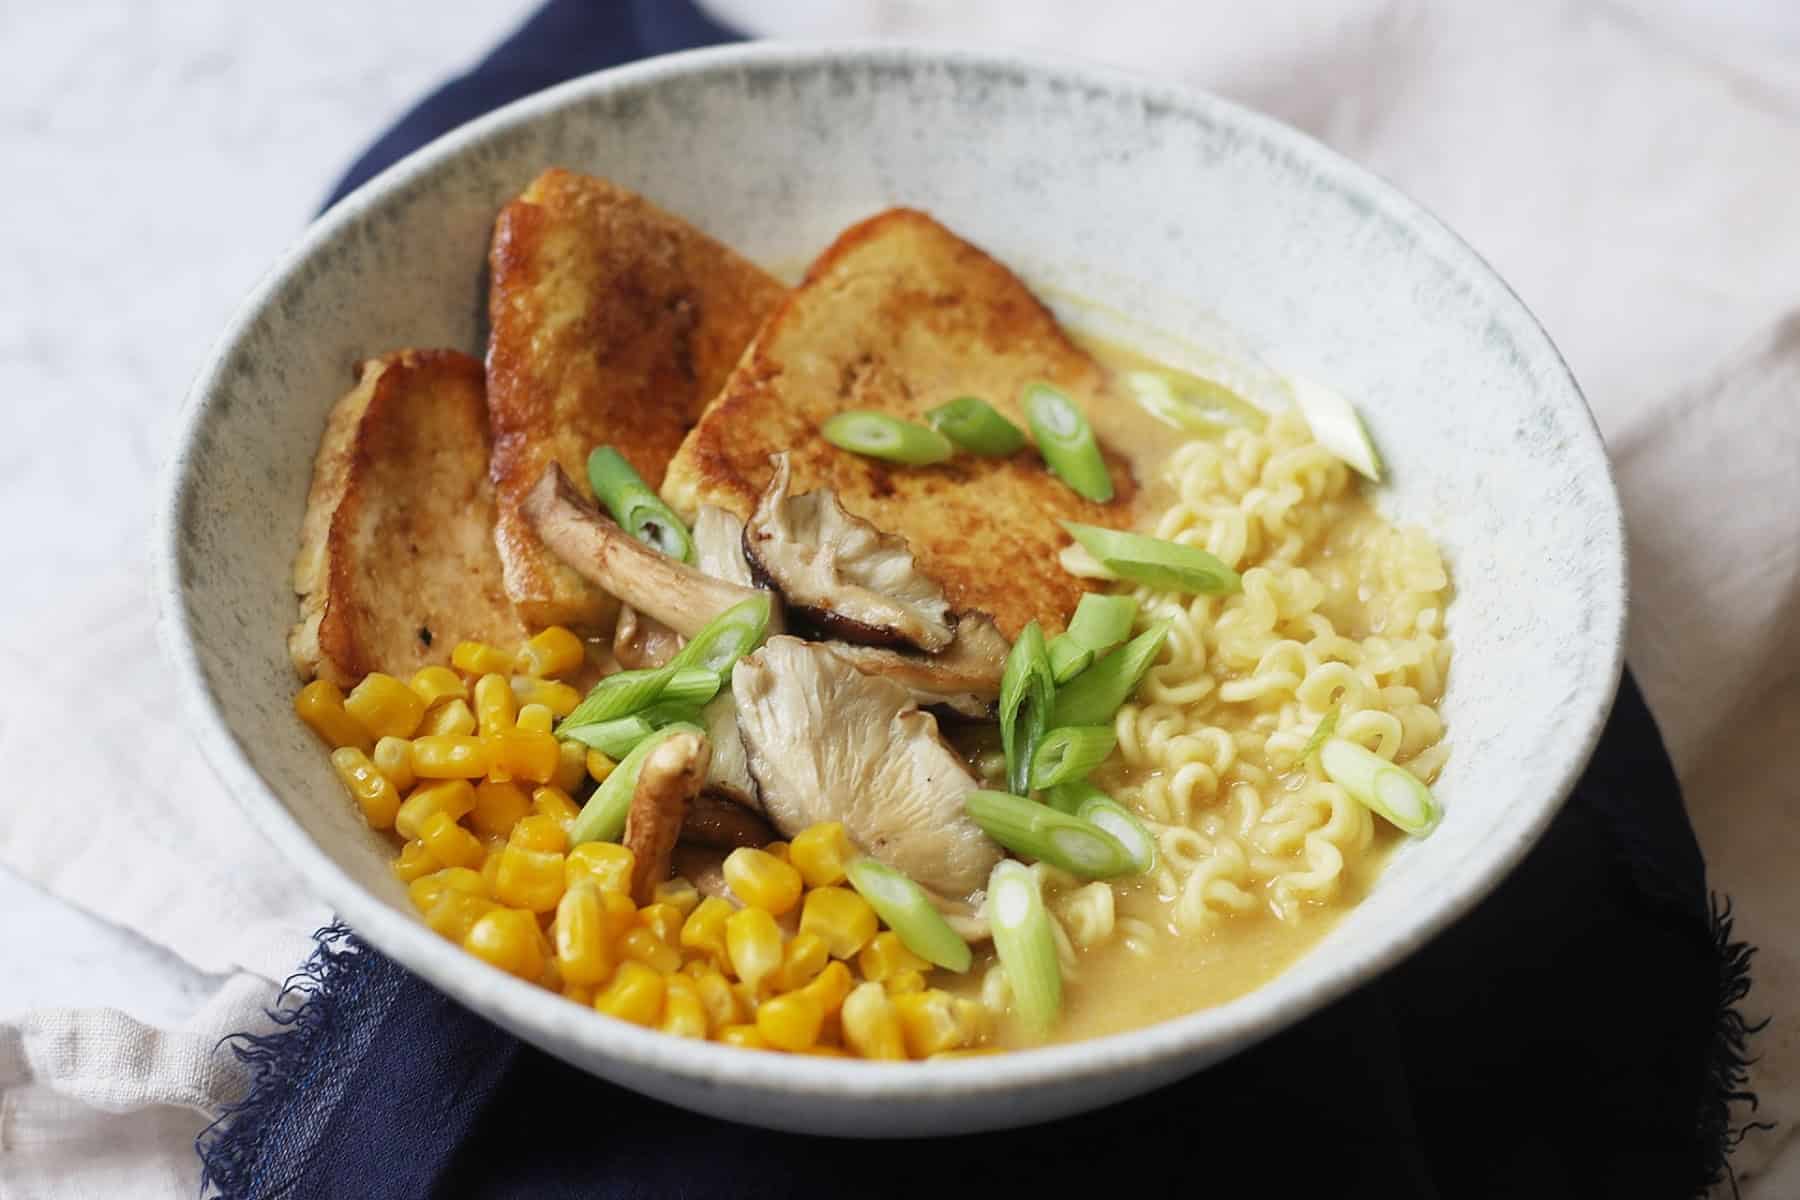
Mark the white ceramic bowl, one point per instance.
(1163, 207)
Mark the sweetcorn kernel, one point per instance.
(553, 802)
(536, 718)
(608, 864)
(449, 842)
(704, 929)
(393, 758)
(479, 658)
(683, 1013)
(414, 862)
(571, 766)
(495, 707)
(584, 948)
(321, 705)
(684, 896)
(871, 1025)
(551, 651)
(373, 792)
(906, 982)
(802, 960)
(753, 945)
(841, 917)
(928, 1022)
(744, 1037)
(761, 880)
(830, 987)
(521, 754)
(498, 807)
(599, 766)
(664, 920)
(821, 853)
(635, 994)
(510, 940)
(384, 706)
(641, 945)
(885, 955)
(449, 757)
(452, 718)
(559, 698)
(453, 796)
(434, 685)
(790, 1022)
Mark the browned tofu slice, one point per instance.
(900, 315)
(397, 560)
(613, 322)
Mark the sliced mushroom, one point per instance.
(965, 678)
(641, 642)
(715, 821)
(729, 775)
(667, 783)
(677, 595)
(841, 573)
(826, 742)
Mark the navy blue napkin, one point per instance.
(1577, 1035)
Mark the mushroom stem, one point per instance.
(667, 783)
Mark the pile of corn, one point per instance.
(469, 775)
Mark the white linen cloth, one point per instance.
(1632, 176)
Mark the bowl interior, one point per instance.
(1156, 208)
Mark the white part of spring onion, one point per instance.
(1102, 810)
(904, 907)
(1389, 790)
(1336, 426)
(1025, 943)
(1192, 403)
(602, 818)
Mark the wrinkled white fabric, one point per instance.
(1631, 170)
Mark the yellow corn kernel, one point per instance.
(571, 766)
(384, 706)
(552, 651)
(704, 929)
(599, 766)
(393, 758)
(427, 890)
(583, 948)
(479, 658)
(454, 913)
(683, 896)
(744, 1037)
(621, 913)
(521, 754)
(801, 962)
(321, 705)
(761, 880)
(540, 832)
(452, 718)
(535, 718)
(641, 945)
(551, 801)
(495, 707)
(871, 1026)
(974, 1022)
(664, 920)
(753, 945)
(831, 1030)
(635, 994)
(928, 1022)
(790, 1022)
(821, 853)
(580, 993)
(886, 954)
(830, 986)
(683, 1014)
(509, 939)
(716, 996)
(559, 698)
(779, 850)
(449, 757)
(449, 842)
(527, 878)
(453, 796)
(434, 685)
(841, 917)
(608, 864)
(373, 793)
(902, 983)
(746, 996)
(498, 807)
(490, 866)
(414, 862)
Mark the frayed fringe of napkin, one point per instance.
(1728, 1059)
(236, 1158)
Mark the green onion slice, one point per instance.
(1336, 426)
(615, 738)
(976, 426)
(1324, 729)
(728, 637)
(908, 911)
(602, 818)
(1193, 403)
(1069, 753)
(878, 435)
(1154, 561)
(1394, 792)
(637, 509)
(1027, 690)
(1102, 622)
(1041, 832)
(1093, 696)
(1066, 441)
(692, 677)
(1025, 943)
(1102, 810)
(1068, 658)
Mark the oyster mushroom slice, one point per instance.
(840, 572)
(826, 742)
(714, 821)
(964, 678)
(641, 641)
(667, 783)
(729, 774)
(657, 586)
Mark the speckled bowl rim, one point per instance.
(1225, 1029)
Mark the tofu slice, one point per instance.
(901, 315)
(612, 322)
(397, 561)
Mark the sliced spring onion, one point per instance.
(602, 818)
(1394, 792)
(908, 911)
(1102, 622)
(1069, 753)
(629, 692)
(637, 509)
(1066, 441)
(1193, 403)
(1027, 691)
(878, 435)
(1068, 658)
(615, 738)
(1025, 944)
(1122, 823)
(1336, 426)
(1324, 729)
(1041, 832)
(976, 426)
(1155, 562)
(1093, 696)
(727, 637)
